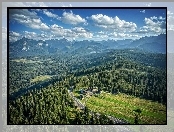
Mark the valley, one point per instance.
(124, 80)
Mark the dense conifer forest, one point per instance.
(44, 89)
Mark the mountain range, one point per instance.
(31, 47)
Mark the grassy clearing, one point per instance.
(26, 61)
(76, 94)
(40, 78)
(122, 106)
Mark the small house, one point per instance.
(94, 91)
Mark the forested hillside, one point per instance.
(39, 86)
(51, 105)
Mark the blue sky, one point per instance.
(86, 24)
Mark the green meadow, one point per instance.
(123, 106)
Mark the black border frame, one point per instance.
(8, 8)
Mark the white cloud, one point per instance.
(56, 26)
(154, 18)
(149, 22)
(115, 23)
(57, 30)
(24, 12)
(85, 35)
(36, 36)
(14, 36)
(70, 18)
(27, 18)
(143, 11)
(50, 14)
(102, 19)
(44, 26)
(161, 18)
(76, 32)
(38, 21)
(153, 26)
(30, 35)
(79, 30)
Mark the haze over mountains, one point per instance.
(25, 46)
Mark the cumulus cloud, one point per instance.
(24, 12)
(161, 18)
(143, 11)
(115, 23)
(154, 18)
(14, 36)
(57, 30)
(50, 14)
(170, 20)
(71, 18)
(27, 18)
(102, 19)
(30, 35)
(81, 32)
(76, 32)
(153, 25)
(37, 36)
